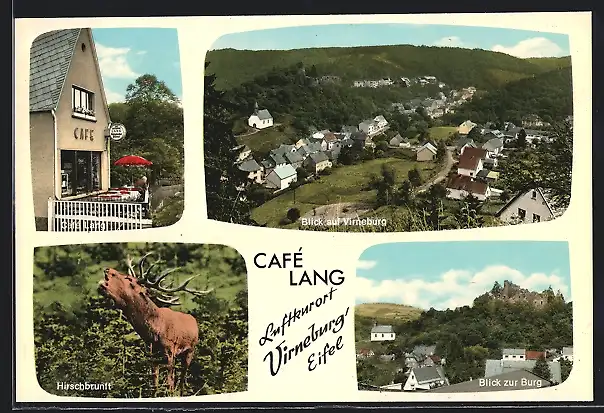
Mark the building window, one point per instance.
(534, 195)
(536, 218)
(382, 335)
(521, 213)
(82, 103)
(80, 172)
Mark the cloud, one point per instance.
(114, 62)
(532, 47)
(141, 52)
(366, 265)
(451, 41)
(454, 288)
(113, 97)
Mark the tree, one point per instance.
(541, 369)
(223, 179)
(414, 176)
(293, 214)
(566, 367)
(147, 88)
(521, 139)
(441, 151)
(475, 134)
(497, 288)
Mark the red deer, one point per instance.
(173, 333)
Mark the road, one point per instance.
(442, 174)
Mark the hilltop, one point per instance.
(455, 66)
(387, 311)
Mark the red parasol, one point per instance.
(132, 160)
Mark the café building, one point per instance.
(69, 120)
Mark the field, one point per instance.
(386, 311)
(438, 133)
(344, 184)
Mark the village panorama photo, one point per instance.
(388, 127)
(500, 321)
(106, 129)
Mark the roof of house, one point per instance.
(470, 158)
(465, 183)
(263, 114)
(497, 367)
(278, 159)
(461, 142)
(318, 157)
(534, 355)
(544, 193)
(267, 163)
(468, 123)
(294, 157)
(383, 329)
(513, 378)
(283, 149)
(493, 144)
(284, 171)
(358, 135)
(379, 118)
(50, 59)
(428, 374)
(330, 137)
(249, 165)
(367, 122)
(567, 351)
(513, 352)
(429, 147)
(397, 139)
(422, 350)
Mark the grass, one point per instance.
(270, 138)
(387, 311)
(438, 133)
(345, 184)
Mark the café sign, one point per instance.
(83, 134)
(117, 131)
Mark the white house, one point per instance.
(399, 142)
(526, 207)
(471, 161)
(427, 152)
(368, 126)
(567, 354)
(281, 177)
(382, 333)
(460, 186)
(513, 354)
(493, 147)
(328, 141)
(426, 378)
(254, 169)
(260, 119)
(380, 122)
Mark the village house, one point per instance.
(277, 159)
(68, 119)
(493, 146)
(260, 119)
(567, 354)
(426, 378)
(306, 150)
(281, 177)
(464, 143)
(365, 353)
(427, 152)
(399, 142)
(495, 368)
(374, 126)
(316, 162)
(532, 121)
(534, 136)
(362, 139)
(294, 159)
(529, 206)
(348, 130)
(534, 355)
(460, 186)
(382, 333)
(254, 169)
(242, 151)
(329, 139)
(488, 176)
(513, 354)
(471, 161)
(465, 127)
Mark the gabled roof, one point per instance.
(267, 163)
(465, 183)
(318, 157)
(282, 149)
(330, 137)
(470, 158)
(429, 147)
(294, 157)
(493, 144)
(465, 141)
(264, 114)
(513, 352)
(555, 212)
(278, 159)
(249, 165)
(382, 329)
(428, 374)
(284, 171)
(50, 59)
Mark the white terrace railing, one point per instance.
(86, 216)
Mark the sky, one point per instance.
(517, 43)
(451, 274)
(126, 53)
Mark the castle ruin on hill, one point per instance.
(512, 293)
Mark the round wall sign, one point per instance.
(117, 131)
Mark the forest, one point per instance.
(455, 66)
(80, 336)
(467, 336)
(154, 123)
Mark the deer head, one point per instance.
(125, 289)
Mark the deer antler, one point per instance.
(131, 271)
